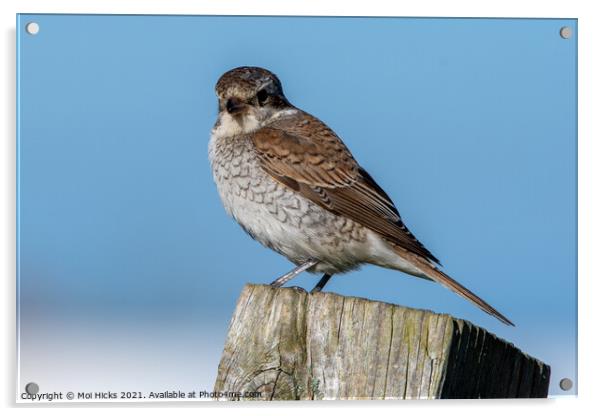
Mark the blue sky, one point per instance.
(468, 124)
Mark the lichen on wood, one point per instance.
(292, 345)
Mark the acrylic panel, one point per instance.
(129, 269)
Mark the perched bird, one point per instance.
(293, 185)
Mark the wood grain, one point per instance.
(288, 344)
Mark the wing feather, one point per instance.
(308, 157)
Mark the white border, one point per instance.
(590, 29)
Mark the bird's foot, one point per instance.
(293, 273)
(321, 284)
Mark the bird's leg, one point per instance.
(321, 283)
(293, 273)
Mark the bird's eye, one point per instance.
(262, 97)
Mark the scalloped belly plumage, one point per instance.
(279, 218)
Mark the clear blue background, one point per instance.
(129, 269)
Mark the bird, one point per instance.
(293, 185)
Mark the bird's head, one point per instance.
(248, 96)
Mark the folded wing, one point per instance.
(305, 155)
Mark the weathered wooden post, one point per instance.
(288, 344)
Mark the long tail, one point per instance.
(437, 275)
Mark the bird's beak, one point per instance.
(234, 106)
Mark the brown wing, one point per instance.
(308, 157)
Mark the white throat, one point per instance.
(229, 126)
